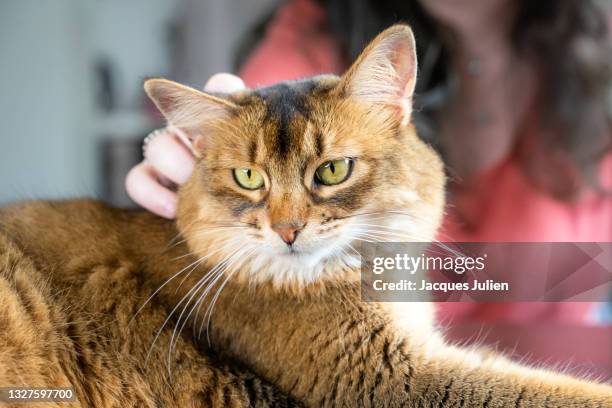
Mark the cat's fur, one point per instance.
(289, 324)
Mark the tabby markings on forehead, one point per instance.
(285, 103)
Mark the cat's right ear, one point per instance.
(187, 108)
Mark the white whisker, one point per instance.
(213, 273)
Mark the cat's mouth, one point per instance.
(291, 251)
(310, 253)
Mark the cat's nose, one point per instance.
(288, 232)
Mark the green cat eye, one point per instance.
(248, 178)
(334, 171)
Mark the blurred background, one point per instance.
(72, 107)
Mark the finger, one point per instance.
(170, 158)
(224, 83)
(144, 188)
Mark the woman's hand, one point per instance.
(169, 160)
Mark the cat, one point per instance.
(252, 298)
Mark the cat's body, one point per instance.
(69, 300)
(322, 164)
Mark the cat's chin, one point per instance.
(293, 268)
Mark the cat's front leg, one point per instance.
(334, 350)
(444, 375)
(396, 360)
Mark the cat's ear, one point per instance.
(385, 72)
(187, 108)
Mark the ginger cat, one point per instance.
(260, 263)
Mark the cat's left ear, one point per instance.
(385, 73)
(187, 108)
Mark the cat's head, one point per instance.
(291, 178)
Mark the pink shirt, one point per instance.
(298, 44)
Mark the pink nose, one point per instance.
(288, 232)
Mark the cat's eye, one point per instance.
(248, 178)
(334, 171)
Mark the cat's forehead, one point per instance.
(288, 97)
(285, 116)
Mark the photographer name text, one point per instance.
(408, 285)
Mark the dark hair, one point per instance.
(569, 40)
